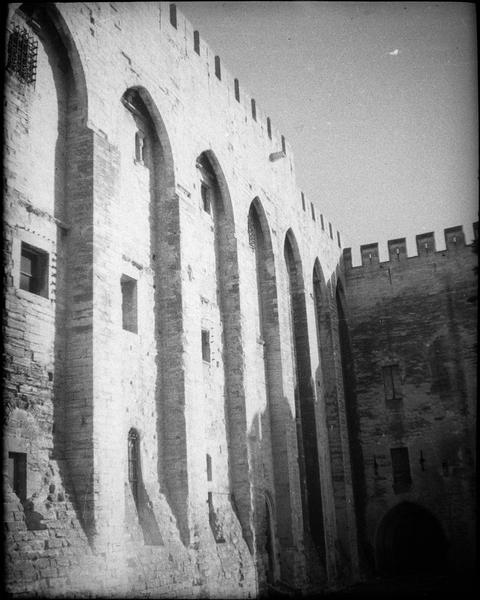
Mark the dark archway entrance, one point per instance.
(410, 540)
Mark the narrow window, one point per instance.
(313, 210)
(140, 147)
(205, 345)
(206, 200)
(196, 42)
(133, 456)
(303, 201)
(218, 70)
(402, 479)
(331, 230)
(237, 90)
(322, 222)
(391, 382)
(209, 467)
(129, 303)
(254, 109)
(22, 55)
(269, 127)
(173, 15)
(284, 147)
(17, 474)
(338, 240)
(34, 270)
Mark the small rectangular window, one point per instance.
(313, 210)
(322, 222)
(338, 240)
(129, 303)
(34, 270)
(303, 200)
(254, 109)
(205, 345)
(391, 382)
(269, 127)
(237, 90)
(196, 42)
(331, 230)
(206, 199)
(17, 474)
(284, 146)
(173, 15)
(402, 479)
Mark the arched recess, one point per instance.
(353, 429)
(54, 153)
(410, 539)
(225, 312)
(304, 396)
(277, 412)
(149, 145)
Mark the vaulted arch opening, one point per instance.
(410, 540)
(304, 397)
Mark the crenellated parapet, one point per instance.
(397, 248)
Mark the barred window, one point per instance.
(22, 55)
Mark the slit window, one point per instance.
(269, 127)
(209, 467)
(284, 146)
(338, 240)
(34, 270)
(322, 222)
(133, 457)
(206, 345)
(402, 478)
(391, 382)
(236, 85)
(205, 192)
(331, 230)
(254, 109)
(173, 15)
(313, 210)
(218, 69)
(196, 42)
(303, 200)
(17, 474)
(129, 303)
(22, 55)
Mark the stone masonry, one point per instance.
(192, 374)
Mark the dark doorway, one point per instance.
(410, 540)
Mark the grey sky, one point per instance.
(377, 99)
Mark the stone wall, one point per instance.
(105, 155)
(412, 329)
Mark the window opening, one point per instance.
(322, 222)
(218, 69)
(17, 474)
(269, 127)
(303, 200)
(254, 109)
(391, 382)
(34, 270)
(133, 456)
(237, 90)
(313, 210)
(205, 345)
(129, 303)
(206, 198)
(140, 146)
(284, 147)
(338, 240)
(196, 42)
(209, 467)
(22, 55)
(402, 479)
(173, 15)
(331, 230)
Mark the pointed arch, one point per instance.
(226, 320)
(304, 397)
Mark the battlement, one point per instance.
(397, 248)
(196, 48)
